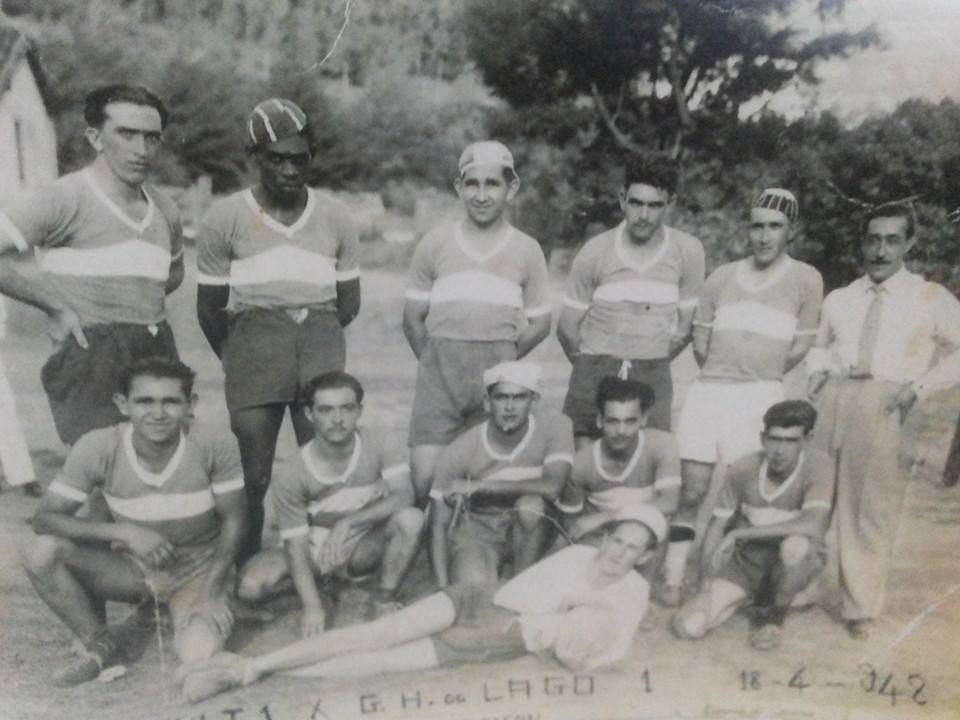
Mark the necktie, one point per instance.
(868, 338)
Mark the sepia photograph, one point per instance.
(479, 359)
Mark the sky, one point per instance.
(921, 58)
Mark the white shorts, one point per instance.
(721, 422)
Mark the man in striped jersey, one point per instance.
(630, 465)
(781, 500)
(755, 320)
(494, 484)
(630, 299)
(113, 248)
(344, 508)
(285, 259)
(478, 295)
(175, 494)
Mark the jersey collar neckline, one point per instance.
(115, 209)
(274, 224)
(513, 454)
(504, 237)
(620, 246)
(149, 477)
(762, 479)
(630, 467)
(306, 452)
(744, 282)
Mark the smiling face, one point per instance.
(157, 408)
(644, 210)
(620, 423)
(128, 141)
(485, 193)
(334, 414)
(782, 447)
(283, 167)
(885, 246)
(509, 406)
(622, 549)
(770, 231)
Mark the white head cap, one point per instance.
(783, 201)
(487, 152)
(524, 374)
(648, 516)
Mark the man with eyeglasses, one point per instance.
(494, 484)
(285, 259)
(630, 299)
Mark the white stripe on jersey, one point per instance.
(157, 507)
(204, 279)
(129, 258)
(476, 286)
(70, 493)
(347, 499)
(754, 317)
(520, 472)
(575, 304)
(291, 533)
(227, 486)
(618, 498)
(285, 263)
(395, 470)
(768, 515)
(638, 291)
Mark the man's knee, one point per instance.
(692, 621)
(794, 550)
(531, 510)
(696, 483)
(39, 554)
(197, 640)
(406, 524)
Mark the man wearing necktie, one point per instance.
(886, 340)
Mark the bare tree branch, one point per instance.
(622, 139)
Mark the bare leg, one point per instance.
(423, 462)
(529, 532)
(390, 549)
(302, 428)
(696, 482)
(265, 574)
(416, 655)
(478, 564)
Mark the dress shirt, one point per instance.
(918, 338)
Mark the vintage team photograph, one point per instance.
(479, 359)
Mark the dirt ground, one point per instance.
(909, 669)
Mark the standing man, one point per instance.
(288, 256)
(874, 357)
(494, 483)
(15, 459)
(630, 299)
(780, 501)
(756, 319)
(177, 516)
(344, 508)
(110, 249)
(630, 465)
(478, 295)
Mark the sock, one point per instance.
(675, 564)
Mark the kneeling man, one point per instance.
(781, 498)
(175, 492)
(344, 508)
(582, 604)
(495, 483)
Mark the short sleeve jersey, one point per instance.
(548, 441)
(177, 502)
(654, 465)
(747, 493)
(539, 592)
(108, 266)
(303, 495)
(753, 326)
(478, 297)
(631, 310)
(271, 265)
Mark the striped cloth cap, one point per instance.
(275, 119)
(486, 152)
(780, 200)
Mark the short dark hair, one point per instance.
(157, 367)
(329, 381)
(95, 106)
(790, 413)
(893, 210)
(659, 172)
(614, 389)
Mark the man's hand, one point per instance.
(63, 323)
(217, 610)
(902, 401)
(146, 545)
(815, 383)
(312, 622)
(332, 553)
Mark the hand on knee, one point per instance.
(531, 511)
(794, 549)
(197, 640)
(407, 523)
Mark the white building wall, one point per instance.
(37, 162)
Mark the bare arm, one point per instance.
(798, 350)
(300, 567)
(548, 485)
(415, 324)
(63, 320)
(812, 522)
(440, 516)
(212, 314)
(348, 301)
(711, 541)
(533, 334)
(701, 343)
(568, 331)
(175, 276)
(667, 500)
(682, 335)
(232, 509)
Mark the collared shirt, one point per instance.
(918, 337)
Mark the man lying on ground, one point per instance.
(583, 604)
(175, 492)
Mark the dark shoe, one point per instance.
(32, 489)
(101, 658)
(860, 629)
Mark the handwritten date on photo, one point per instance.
(895, 688)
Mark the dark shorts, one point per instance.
(492, 529)
(588, 370)
(448, 397)
(753, 561)
(80, 384)
(481, 631)
(268, 356)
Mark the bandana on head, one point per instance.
(520, 373)
(781, 200)
(275, 119)
(488, 152)
(646, 515)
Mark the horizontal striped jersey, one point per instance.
(478, 296)
(756, 501)
(752, 326)
(108, 266)
(177, 502)
(547, 441)
(303, 496)
(631, 310)
(654, 466)
(268, 264)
